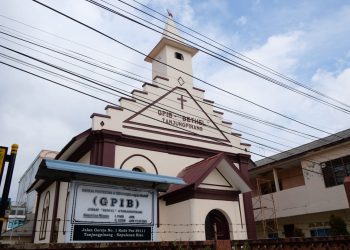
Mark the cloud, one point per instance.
(242, 20)
(38, 116)
(336, 85)
(280, 52)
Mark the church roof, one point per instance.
(194, 175)
(172, 38)
(170, 29)
(166, 41)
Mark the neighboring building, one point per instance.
(28, 200)
(297, 191)
(18, 227)
(20, 220)
(167, 129)
(16, 216)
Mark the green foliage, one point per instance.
(246, 246)
(176, 246)
(338, 226)
(207, 248)
(298, 232)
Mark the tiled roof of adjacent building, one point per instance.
(328, 141)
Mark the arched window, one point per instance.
(216, 226)
(139, 162)
(44, 216)
(138, 169)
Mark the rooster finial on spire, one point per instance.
(169, 13)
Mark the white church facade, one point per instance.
(167, 130)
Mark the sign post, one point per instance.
(5, 194)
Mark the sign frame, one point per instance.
(3, 155)
(100, 229)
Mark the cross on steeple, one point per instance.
(182, 101)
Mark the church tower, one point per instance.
(171, 58)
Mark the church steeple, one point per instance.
(169, 55)
(170, 30)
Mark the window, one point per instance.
(273, 235)
(137, 169)
(320, 232)
(179, 56)
(44, 216)
(288, 230)
(268, 187)
(20, 212)
(335, 171)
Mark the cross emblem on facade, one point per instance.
(182, 101)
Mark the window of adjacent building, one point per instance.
(20, 212)
(272, 235)
(179, 56)
(288, 230)
(320, 232)
(44, 216)
(335, 171)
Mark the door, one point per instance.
(216, 225)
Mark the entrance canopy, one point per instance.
(56, 170)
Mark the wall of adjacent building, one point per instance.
(307, 222)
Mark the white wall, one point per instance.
(51, 189)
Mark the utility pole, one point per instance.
(5, 193)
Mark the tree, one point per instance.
(338, 225)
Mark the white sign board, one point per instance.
(101, 212)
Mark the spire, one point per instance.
(170, 31)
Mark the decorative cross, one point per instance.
(182, 101)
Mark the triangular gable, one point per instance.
(177, 112)
(216, 180)
(195, 174)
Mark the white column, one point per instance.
(275, 177)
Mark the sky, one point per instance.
(307, 41)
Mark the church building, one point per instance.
(167, 130)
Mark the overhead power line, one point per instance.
(240, 55)
(241, 114)
(218, 105)
(101, 99)
(101, 84)
(217, 56)
(205, 82)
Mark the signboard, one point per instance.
(3, 153)
(110, 213)
(13, 223)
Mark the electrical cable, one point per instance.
(225, 109)
(220, 57)
(88, 79)
(252, 61)
(205, 82)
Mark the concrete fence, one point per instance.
(317, 243)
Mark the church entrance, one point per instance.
(216, 225)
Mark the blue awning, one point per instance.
(53, 170)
